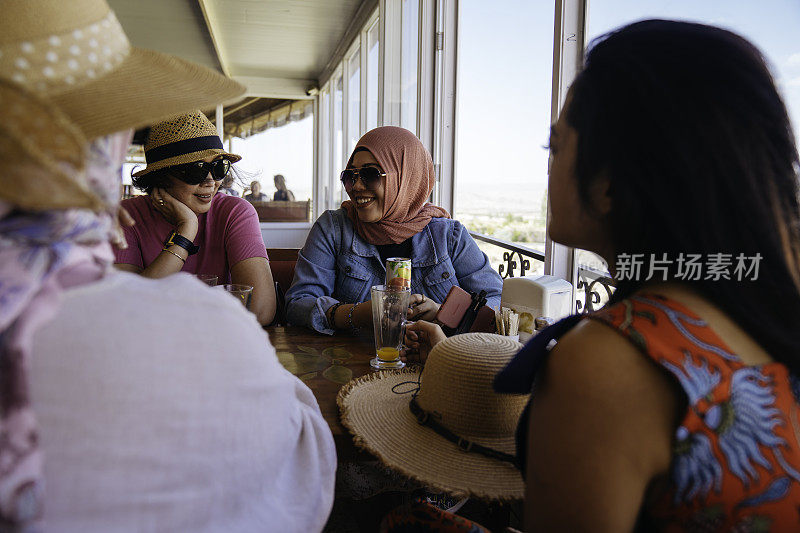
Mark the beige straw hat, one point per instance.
(182, 139)
(76, 55)
(462, 415)
(41, 151)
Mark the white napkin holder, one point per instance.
(534, 296)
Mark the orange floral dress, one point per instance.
(736, 453)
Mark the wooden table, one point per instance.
(325, 363)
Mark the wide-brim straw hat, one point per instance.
(40, 149)
(182, 139)
(455, 389)
(77, 55)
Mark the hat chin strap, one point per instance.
(424, 418)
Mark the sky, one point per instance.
(505, 70)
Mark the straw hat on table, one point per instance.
(182, 139)
(454, 433)
(75, 55)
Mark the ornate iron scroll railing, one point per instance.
(513, 251)
(593, 287)
(591, 282)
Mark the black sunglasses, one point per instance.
(197, 172)
(369, 176)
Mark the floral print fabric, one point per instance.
(736, 454)
(422, 517)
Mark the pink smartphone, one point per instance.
(453, 308)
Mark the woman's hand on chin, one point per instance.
(176, 212)
(421, 307)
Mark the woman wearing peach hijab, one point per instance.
(389, 179)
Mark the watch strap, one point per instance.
(179, 240)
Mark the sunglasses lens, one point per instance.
(370, 175)
(348, 178)
(190, 173)
(220, 168)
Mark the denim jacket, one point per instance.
(336, 264)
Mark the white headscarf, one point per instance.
(41, 254)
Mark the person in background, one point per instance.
(184, 225)
(123, 408)
(227, 186)
(282, 194)
(255, 193)
(388, 178)
(675, 407)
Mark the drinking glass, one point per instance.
(208, 279)
(242, 292)
(389, 308)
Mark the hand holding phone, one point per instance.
(420, 307)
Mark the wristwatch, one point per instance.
(178, 239)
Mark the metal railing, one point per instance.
(591, 282)
(594, 287)
(506, 269)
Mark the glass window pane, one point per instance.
(338, 138)
(408, 65)
(325, 137)
(286, 150)
(503, 121)
(373, 58)
(769, 24)
(353, 100)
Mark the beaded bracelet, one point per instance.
(350, 320)
(332, 320)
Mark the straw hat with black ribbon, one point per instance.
(182, 139)
(75, 54)
(443, 426)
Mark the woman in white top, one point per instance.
(121, 406)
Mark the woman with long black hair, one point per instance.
(675, 408)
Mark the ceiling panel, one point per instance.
(170, 26)
(286, 39)
(281, 38)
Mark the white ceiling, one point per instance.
(278, 48)
(172, 26)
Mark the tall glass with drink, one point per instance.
(389, 308)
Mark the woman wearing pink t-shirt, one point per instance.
(184, 225)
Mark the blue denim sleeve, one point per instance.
(473, 270)
(314, 277)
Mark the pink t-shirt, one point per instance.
(228, 233)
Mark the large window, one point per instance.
(324, 148)
(409, 59)
(503, 120)
(338, 137)
(373, 64)
(769, 24)
(353, 100)
(286, 150)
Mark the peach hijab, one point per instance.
(409, 182)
